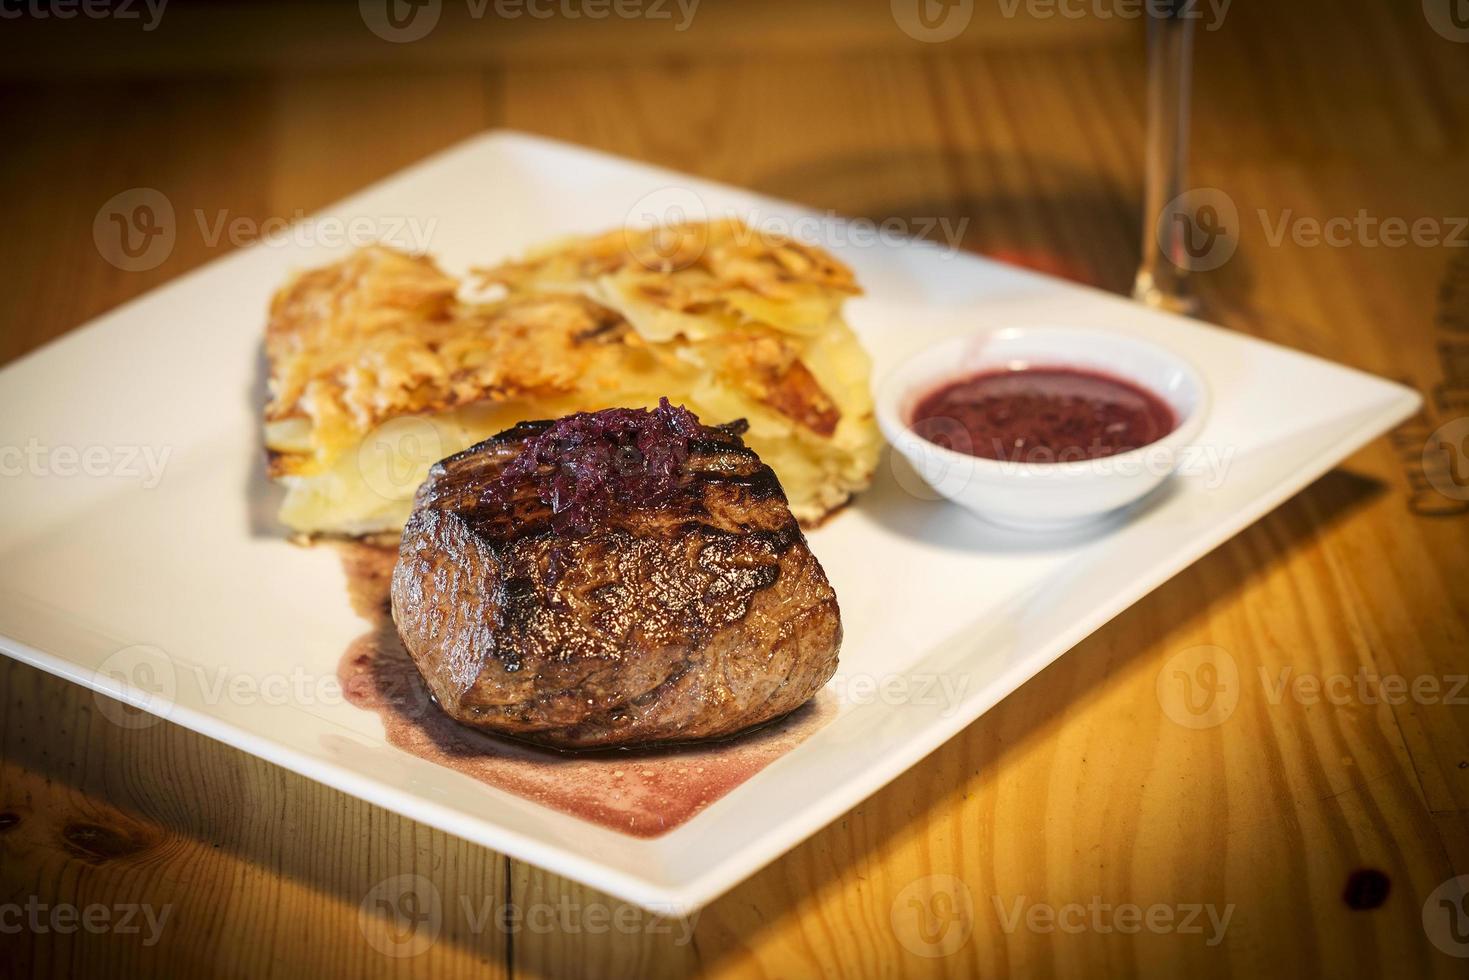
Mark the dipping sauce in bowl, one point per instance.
(1042, 427)
(1042, 415)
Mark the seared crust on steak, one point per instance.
(699, 617)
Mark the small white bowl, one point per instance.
(1037, 494)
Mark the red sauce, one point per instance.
(640, 792)
(1042, 415)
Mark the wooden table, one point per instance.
(1322, 825)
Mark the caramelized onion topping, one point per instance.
(585, 462)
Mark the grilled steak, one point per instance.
(618, 578)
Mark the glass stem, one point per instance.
(1162, 280)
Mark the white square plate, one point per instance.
(194, 566)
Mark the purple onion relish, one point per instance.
(585, 462)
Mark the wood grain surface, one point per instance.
(1319, 824)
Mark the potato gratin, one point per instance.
(378, 368)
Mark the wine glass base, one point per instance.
(1176, 300)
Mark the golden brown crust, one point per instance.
(325, 319)
(691, 267)
(381, 335)
(796, 394)
(730, 322)
(747, 300)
